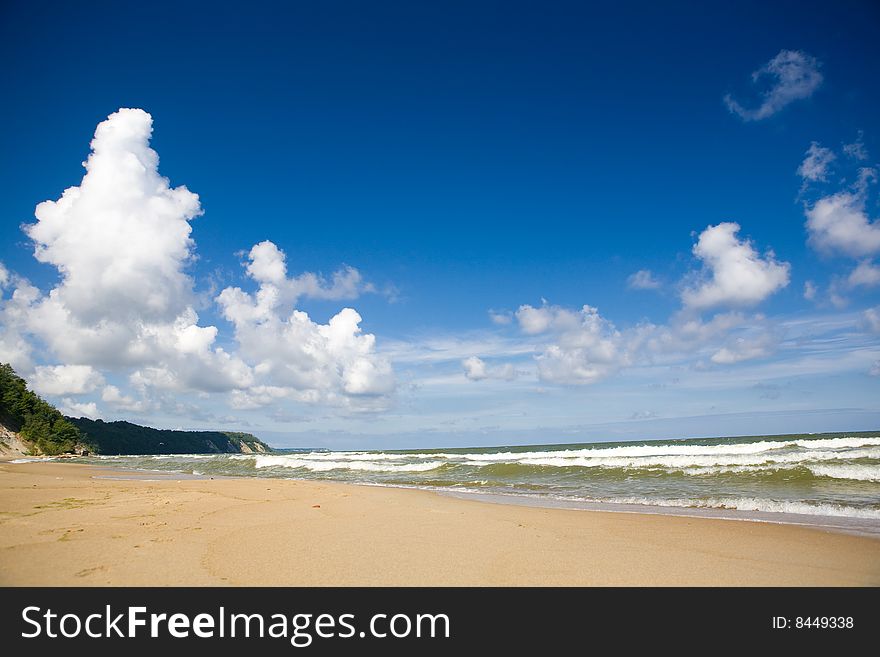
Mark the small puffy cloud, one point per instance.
(4, 277)
(500, 318)
(875, 368)
(476, 369)
(115, 398)
(733, 272)
(792, 74)
(58, 380)
(816, 164)
(586, 348)
(643, 279)
(72, 408)
(871, 320)
(810, 290)
(533, 321)
(866, 274)
(267, 265)
(839, 223)
(856, 150)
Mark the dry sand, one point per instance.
(60, 525)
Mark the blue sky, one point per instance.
(520, 158)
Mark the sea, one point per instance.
(828, 480)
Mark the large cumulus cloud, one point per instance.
(124, 303)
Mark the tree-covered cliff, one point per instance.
(46, 431)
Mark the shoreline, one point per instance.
(68, 524)
(836, 524)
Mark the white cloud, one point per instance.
(502, 318)
(734, 273)
(871, 319)
(533, 321)
(313, 362)
(260, 396)
(839, 223)
(866, 274)
(725, 338)
(836, 296)
(15, 347)
(643, 279)
(4, 277)
(476, 369)
(582, 347)
(593, 349)
(124, 303)
(114, 397)
(810, 290)
(856, 150)
(742, 348)
(121, 242)
(267, 265)
(794, 76)
(65, 379)
(330, 359)
(815, 166)
(875, 369)
(586, 348)
(72, 408)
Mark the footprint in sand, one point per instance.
(85, 572)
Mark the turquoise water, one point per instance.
(828, 475)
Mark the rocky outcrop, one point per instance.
(11, 443)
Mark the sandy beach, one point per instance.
(73, 524)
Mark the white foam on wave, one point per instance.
(758, 447)
(691, 461)
(628, 451)
(847, 471)
(755, 504)
(698, 470)
(835, 470)
(357, 456)
(154, 457)
(722, 454)
(838, 443)
(325, 465)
